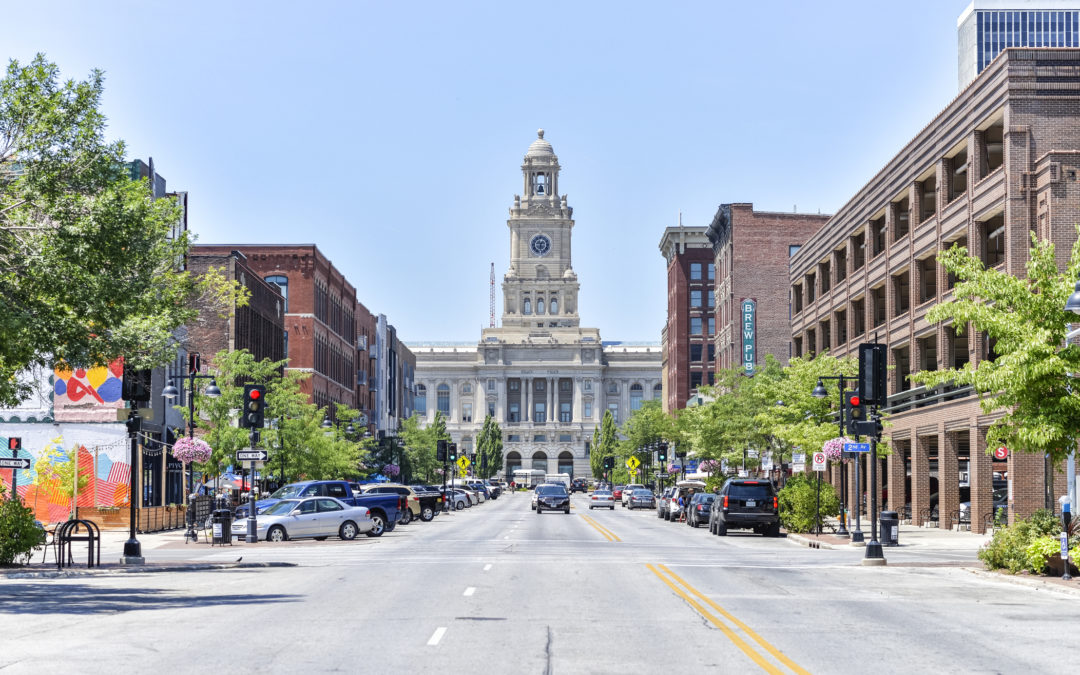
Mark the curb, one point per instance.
(1036, 583)
(137, 569)
(810, 543)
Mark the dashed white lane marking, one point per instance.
(436, 636)
(469, 591)
(487, 567)
(506, 537)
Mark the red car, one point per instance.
(616, 494)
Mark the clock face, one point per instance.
(540, 245)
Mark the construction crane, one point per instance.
(491, 297)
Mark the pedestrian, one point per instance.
(682, 508)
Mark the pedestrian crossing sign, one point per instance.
(463, 462)
(633, 463)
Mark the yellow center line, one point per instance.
(746, 629)
(611, 536)
(735, 639)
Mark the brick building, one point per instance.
(386, 372)
(752, 253)
(999, 162)
(686, 341)
(320, 323)
(366, 357)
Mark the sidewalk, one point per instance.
(909, 537)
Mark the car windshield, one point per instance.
(288, 491)
(642, 493)
(551, 490)
(603, 493)
(749, 491)
(281, 508)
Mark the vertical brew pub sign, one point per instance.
(749, 321)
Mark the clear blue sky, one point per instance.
(391, 134)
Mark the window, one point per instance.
(442, 398)
(614, 408)
(637, 394)
(564, 385)
(540, 438)
(514, 414)
(695, 325)
(283, 286)
(565, 438)
(540, 413)
(712, 353)
(527, 307)
(695, 298)
(564, 412)
(695, 271)
(513, 438)
(695, 379)
(491, 384)
(588, 410)
(491, 408)
(712, 325)
(613, 388)
(711, 300)
(711, 268)
(586, 385)
(539, 305)
(514, 385)
(466, 412)
(420, 400)
(553, 306)
(695, 352)
(466, 388)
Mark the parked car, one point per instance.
(317, 517)
(386, 509)
(430, 501)
(663, 502)
(1001, 503)
(628, 490)
(457, 499)
(697, 511)
(641, 499)
(412, 499)
(578, 485)
(616, 492)
(683, 489)
(746, 504)
(601, 499)
(552, 497)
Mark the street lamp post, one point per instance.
(1072, 305)
(820, 392)
(169, 393)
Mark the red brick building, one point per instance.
(752, 255)
(1000, 162)
(687, 346)
(320, 308)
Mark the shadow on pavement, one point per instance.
(52, 598)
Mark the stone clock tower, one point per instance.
(540, 290)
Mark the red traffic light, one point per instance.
(14, 443)
(254, 393)
(855, 400)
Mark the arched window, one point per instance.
(442, 398)
(527, 307)
(513, 463)
(539, 305)
(466, 445)
(566, 463)
(553, 306)
(658, 390)
(283, 285)
(539, 461)
(420, 400)
(540, 181)
(637, 393)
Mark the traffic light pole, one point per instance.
(252, 523)
(874, 554)
(857, 536)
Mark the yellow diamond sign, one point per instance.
(633, 463)
(463, 462)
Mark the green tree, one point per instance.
(489, 446)
(607, 444)
(645, 427)
(1027, 380)
(596, 458)
(420, 449)
(88, 267)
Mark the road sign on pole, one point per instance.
(251, 455)
(633, 463)
(20, 463)
(856, 447)
(1001, 454)
(463, 463)
(819, 461)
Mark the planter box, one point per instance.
(1054, 567)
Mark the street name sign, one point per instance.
(251, 455)
(819, 461)
(20, 463)
(856, 447)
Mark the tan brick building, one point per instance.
(1000, 161)
(686, 341)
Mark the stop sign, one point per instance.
(1001, 453)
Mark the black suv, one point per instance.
(552, 498)
(746, 504)
(577, 485)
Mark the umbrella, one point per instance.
(379, 478)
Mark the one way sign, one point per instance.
(20, 463)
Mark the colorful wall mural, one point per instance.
(88, 394)
(103, 469)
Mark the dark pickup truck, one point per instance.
(386, 509)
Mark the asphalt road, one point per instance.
(498, 589)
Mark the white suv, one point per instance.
(628, 489)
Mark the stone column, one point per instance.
(897, 475)
(578, 413)
(525, 384)
(948, 479)
(981, 479)
(920, 478)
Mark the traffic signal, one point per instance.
(872, 427)
(254, 406)
(136, 385)
(452, 450)
(440, 450)
(854, 412)
(14, 443)
(872, 369)
(194, 362)
(609, 462)
(661, 453)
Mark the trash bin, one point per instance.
(890, 528)
(222, 526)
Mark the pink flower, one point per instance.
(189, 450)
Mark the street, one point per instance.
(496, 588)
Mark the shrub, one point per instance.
(19, 535)
(1024, 544)
(798, 503)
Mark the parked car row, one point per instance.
(740, 504)
(323, 509)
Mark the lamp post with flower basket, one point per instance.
(189, 451)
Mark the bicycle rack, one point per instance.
(67, 533)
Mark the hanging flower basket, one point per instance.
(391, 470)
(834, 447)
(189, 450)
(709, 466)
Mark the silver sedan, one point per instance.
(641, 499)
(318, 517)
(601, 499)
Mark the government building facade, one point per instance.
(543, 377)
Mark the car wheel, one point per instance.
(277, 534)
(427, 514)
(773, 531)
(347, 532)
(590, 507)
(406, 517)
(567, 510)
(320, 538)
(538, 510)
(459, 505)
(659, 513)
(721, 529)
(378, 526)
